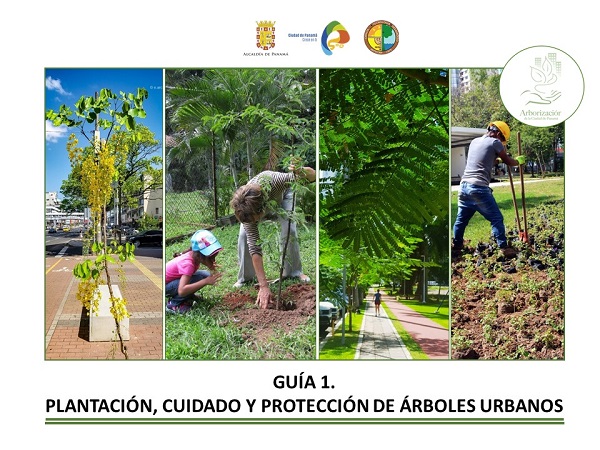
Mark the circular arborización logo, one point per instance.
(381, 37)
(541, 86)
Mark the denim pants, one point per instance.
(471, 199)
(292, 266)
(172, 286)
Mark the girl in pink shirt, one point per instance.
(182, 275)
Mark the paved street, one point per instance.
(67, 323)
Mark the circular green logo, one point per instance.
(541, 86)
(381, 37)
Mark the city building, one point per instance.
(56, 218)
(149, 203)
(464, 80)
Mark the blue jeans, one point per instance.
(471, 199)
(172, 287)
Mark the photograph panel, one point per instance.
(103, 218)
(383, 210)
(240, 214)
(508, 227)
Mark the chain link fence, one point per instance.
(187, 210)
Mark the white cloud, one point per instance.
(55, 85)
(53, 134)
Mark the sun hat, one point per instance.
(205, 242)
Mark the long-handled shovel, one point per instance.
(524, 236)
(512, 188)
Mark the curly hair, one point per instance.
(247, 202)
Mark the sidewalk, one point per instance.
(67, 323)
(379, 339)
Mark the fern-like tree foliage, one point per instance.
(384, 161)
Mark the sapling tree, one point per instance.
(270, 239)
(96, 165)
(296, 164)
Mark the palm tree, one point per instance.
(244, 113)
(236, 122)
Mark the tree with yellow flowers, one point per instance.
(97, 167)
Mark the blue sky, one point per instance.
(66, 86)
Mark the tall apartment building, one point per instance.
(463, 79)
(460, 79)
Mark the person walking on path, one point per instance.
(251, 204)
(377, 298)
(379, 339)
(475, 194)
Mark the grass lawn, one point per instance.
(536, 193)
(430, 309)
(227, 258)
(207, 332)
(334, 349)
(413, 348)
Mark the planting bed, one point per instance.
(512, 308)
(296, 307)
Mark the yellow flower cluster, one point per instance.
(118, 308)
(88, 295)
(97, 172)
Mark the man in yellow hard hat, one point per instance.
(475, 194)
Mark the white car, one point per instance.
(328, 312)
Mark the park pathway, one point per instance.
(379, 339)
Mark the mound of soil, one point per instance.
(297, 305)
(512, 308)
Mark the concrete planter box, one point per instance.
(102, 323)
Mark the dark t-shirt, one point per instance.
(377, 297)
(483, 152)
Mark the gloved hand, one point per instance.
(521, 159)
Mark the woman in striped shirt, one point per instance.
(251, 204)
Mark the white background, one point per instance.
(197, 34)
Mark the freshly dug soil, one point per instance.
(297, 305)
(512, 308)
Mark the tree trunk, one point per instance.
(214, 178)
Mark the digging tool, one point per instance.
(525, 236)
(512, 188)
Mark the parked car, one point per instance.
(51, 230)
(328, 313)
(148, 237)
(66, 228)
(127, 230)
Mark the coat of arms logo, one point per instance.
(265, 34)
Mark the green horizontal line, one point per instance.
(307, 421)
